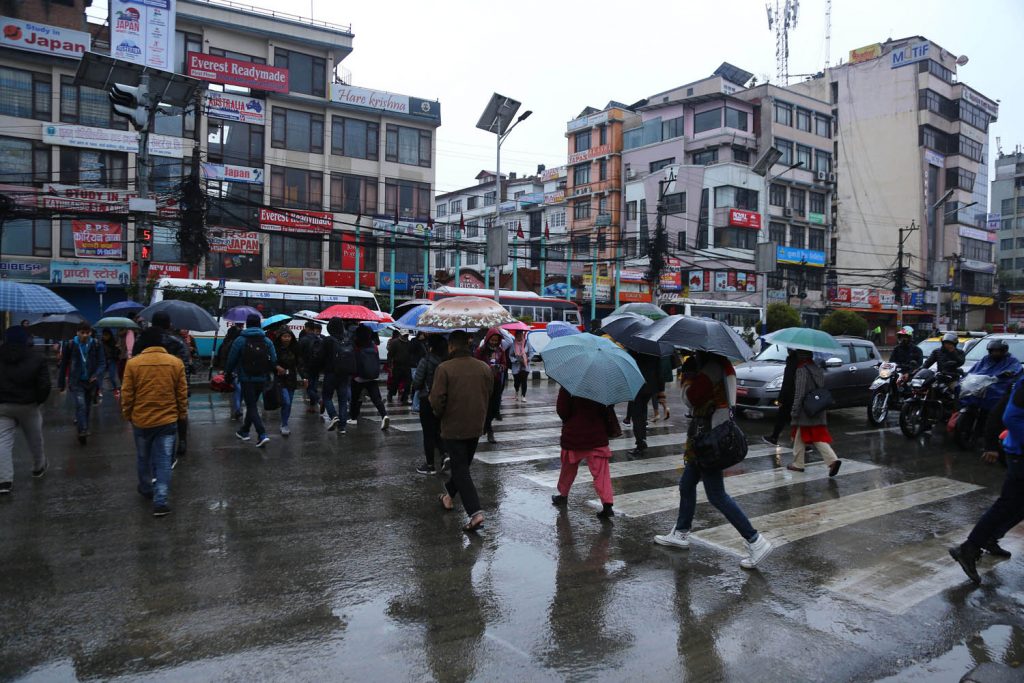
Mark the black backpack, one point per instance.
(367, 363)
(343, 356)
(256, 357)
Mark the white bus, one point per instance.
(739, 315)
(269, 299)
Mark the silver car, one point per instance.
(848, 375)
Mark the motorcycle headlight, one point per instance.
(917, 383)
(775, 383)
(885, 373)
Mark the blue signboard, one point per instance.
(914, 52)
(557, 290)
(797, 256)
(401, 282)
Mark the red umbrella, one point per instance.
(349, 312)
(383, 317)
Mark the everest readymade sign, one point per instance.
(51, 40)
(293, 220)
(142, 32)
(236, 72)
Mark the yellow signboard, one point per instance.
(866, 53)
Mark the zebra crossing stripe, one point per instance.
(652, 501)
(810, 520)
(405, 416)
(499, 427)
(504, 457)
(914, 572)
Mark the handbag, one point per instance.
(817, 400)
(272, 397)
(721, 447)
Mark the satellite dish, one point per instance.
(961, 60)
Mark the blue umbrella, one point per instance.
(25, 298)
(274, 319)
(560, 328)
(592, 367)
(123, 309)
(410, 318)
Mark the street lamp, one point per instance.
(496, 118)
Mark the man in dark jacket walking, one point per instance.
(459, 397)
(310, 341)
(253, 357)
(422, 382)
(785, 402)
(24, 387)
(400, 360)
(650, 368)
(337, 362)
(82, 363)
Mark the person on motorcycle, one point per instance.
(1002, 365)
(947, 356)
(906, 355)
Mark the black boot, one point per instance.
(559, 500)
(490, 436)
(606, 511)
(967, 554)
(995, 550)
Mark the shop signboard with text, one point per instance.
(744, 219)
(232, 174)
(97, 239)
(57, 197)
(80, 273)
(223, 105)
(228, 241)
(671, 282)
(913, 52)
(296, 221)
(800, 257)
(401, 282)
(236, 72)
(24, 270)
(292, 276)
(159, 270)
(142, 32)
(382, 100)
(51, 40)
(588, 154)
(110, 140)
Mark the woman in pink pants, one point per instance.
(586, 426)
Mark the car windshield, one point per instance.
(927, 346)
(980, 349)
(772, 354)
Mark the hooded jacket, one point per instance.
(497, 358)
(24, 377)
(71, 360)
(235, 356)
(335, 333)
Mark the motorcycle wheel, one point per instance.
(963, 434)
(912, 420)
(878, 408)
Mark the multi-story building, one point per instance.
(911, 146)
(1008, 209)
(294, 157)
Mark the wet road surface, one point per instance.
(326, 557)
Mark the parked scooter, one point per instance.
(888, 391)
(932, 400)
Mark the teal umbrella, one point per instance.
(592, 367)
(649, 310)
(112, 322)
(805, 338)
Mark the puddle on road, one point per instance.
(1001, 644)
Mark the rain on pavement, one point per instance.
(326, 556)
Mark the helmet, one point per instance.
(905, 330)
(997, 345)
(950, 337)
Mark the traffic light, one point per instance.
(131, 102)
(144, 240)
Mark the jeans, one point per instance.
(342, 386)
(311, 390)
(236, 398)
(714, 487)
(493, 406)
(638, 418)
(112, 374)
(84, 392)
(1008, 510)
(519, 381)
(29, 417)
(431, 431)
(154, 451)
(372, 390)
(287, 396)
(461, 452)
(251, 392)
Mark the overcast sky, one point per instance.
(559, 57)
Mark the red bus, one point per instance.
(520, 304)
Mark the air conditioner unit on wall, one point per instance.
(630, 174)
(832, 177)
(822, 176)
(787, 212)
(793, 290)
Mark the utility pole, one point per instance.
(901, 279)
(136, 105)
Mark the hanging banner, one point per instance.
(223, 105)
(51, 40)
(232, 174)
(96, 239)
(671, 282)
(227, 241)
(59, 197)
(744, 219)
(296, 221)
(343, 278)
(142, 32)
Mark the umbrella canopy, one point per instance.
(697, 334)
(624, 330)
(238, 314)
(411, 318)
(592, 367)
(560, 328)
(124, 308)
(649, 310)
(56, 325)
(805, 338)
(274, 319)
(185, 315)
(349, 312)
(26, 298)
(461, 312)
(113, 322)
(517, 326)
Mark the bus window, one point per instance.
(572, 317)
(544, 312)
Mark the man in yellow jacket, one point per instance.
(154, 398)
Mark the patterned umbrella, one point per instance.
(349, 312)
(238, 314)
(592, 367)
(560, 328)
(25, 298)
(460, 312)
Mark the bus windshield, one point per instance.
(733, 317)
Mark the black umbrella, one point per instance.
(185, 315)
(697, 334)
(623, 328)
(55, 325)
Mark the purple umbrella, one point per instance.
(238, 314)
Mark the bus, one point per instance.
(269, 299)
(739, 315)
(541, 310)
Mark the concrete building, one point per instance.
(287, 135)
(911, 147)
(1008, 209)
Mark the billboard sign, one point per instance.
(227, 241)
(866, 53)
(797, 256)
(76, 273)
(50, 40)
(912, 53)
(232, 174)
(744, 219)
(223, 105)
(293, 220)
(236, 72)
(113, 140)
(142, 32)
(98, 239)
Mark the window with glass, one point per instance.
(1020, 204)
(681, 241)
(973, 116)
(581, 141)
(407, 145)
(797, 200)
(705, 157)
(67, 240)
(961, 178)
(936, 69)
(166, 174)
(777, 233)
(489, 197)
(441, 210)
(1006, 243)
(822, 161)
(581, 174)
(354, 138)
(937, 104)
(707, 120)
(803, 156)
(455, 205)
(557, 219)
(27, 237)
(233, 205)
(1006, 224)
(24, 162)
(602, 134)
(735, 238)
(355, 194)
(816, 239)
(672, 128)
(740, 155)
(786, 147)
(970, 149)
(735, 197)
(735, 118)
(1020, 243)
(602, 169)
(336, 252)
(581, 210)
(184, 43)
(26, 94)
(822, 126)
(1006, 264)
(87, 106)
(817, 202)
(306, 74)
(165, 245)
(656, 166)
(777, 194)
(409, 198)
(296, 188)
(976, 250)
(472, 229)
(703, 219)
(630, 211)
(299, 131)
(581, 245)
(295, 252)
(803, 120)
(783, 114)
(675, 202)
(937, 140)
(93, 168)
(797, 236)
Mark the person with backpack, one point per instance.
(810, 428)
(113, 358)
(82, 363)
(222, 363)
(367, 373)
(422, 381)
(253, 357)
(310, 340)
(338, 363)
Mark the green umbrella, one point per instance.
(805, 338)
(649, 310)
(115, 323)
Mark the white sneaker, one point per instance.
(285, 430)
(385, 422)
(758, 550)
(522, 399)
(677, 538)
(350, 421)
(332, 423)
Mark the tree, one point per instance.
(845, 323)
(781, 316)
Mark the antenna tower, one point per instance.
(782, 18)
(828, 32)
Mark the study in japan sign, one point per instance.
(142, 32)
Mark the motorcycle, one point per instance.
(932, 399)
(969, 420)
(888, 391)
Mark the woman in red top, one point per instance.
(586, 426)
(810, 428)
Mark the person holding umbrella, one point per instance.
(492, 354)
(82, 363)
(586, 427)
(808, 428)
(519, 356)
(782, 416)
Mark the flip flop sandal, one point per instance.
(474, 524)
(447, 508)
